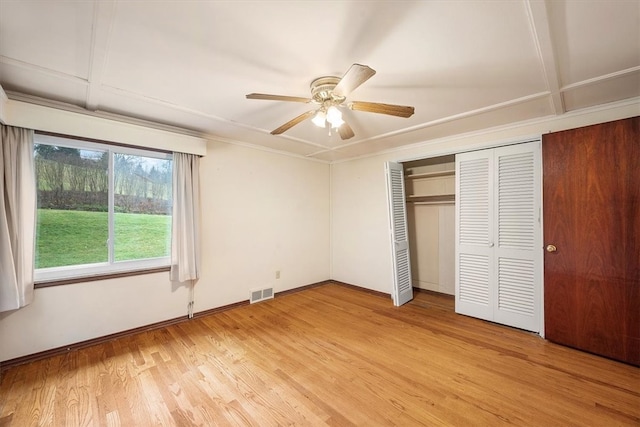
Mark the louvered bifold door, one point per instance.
(402, 291)
(518, 248)
(474, 231)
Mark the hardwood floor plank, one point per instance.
(113, 420)
(329, 355)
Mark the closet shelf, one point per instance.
(440, 198)
(430, 174)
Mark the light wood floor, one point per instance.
(329, 355)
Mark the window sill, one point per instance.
(94, 278)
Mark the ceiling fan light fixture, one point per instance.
(329, 94)
(319, 119)
(334, 116)
(337, 123)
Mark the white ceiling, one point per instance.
(464, 65)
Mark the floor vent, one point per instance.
(258, 295)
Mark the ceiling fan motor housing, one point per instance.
(322, 90)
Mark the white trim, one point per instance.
(474, 147)
(541, 33)
(44, 70)
(111, 265)
(269, 150)
(101, 30)
(111, 233)
(59, 105)
(91, 145)
(3, 106)
(48, 119)
(330, 221)
(538, 126)
(51, 118)
(541, 219)
(448, 119)
(600, 79)
(89, 270)
(180, 133)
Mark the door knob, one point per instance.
(551, 248)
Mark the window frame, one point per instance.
(75, 273)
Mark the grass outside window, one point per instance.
(79, 237)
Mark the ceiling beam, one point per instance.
(101, 31)
(539, 19)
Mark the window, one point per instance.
(101, 208)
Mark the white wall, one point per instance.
(68, 314)
(360, 245)
(360, 250)
(261, 212)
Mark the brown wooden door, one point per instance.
(591, 197)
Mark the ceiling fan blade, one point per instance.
(375, 107)
(277, 97)
(354, 77)
(345, 131)
(291, 123)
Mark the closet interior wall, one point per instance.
(430, 193)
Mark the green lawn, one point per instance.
(79, 237)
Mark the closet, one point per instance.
(430, 204)
(473, 228)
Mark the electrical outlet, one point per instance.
(277, 274)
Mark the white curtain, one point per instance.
(17, 217)
(185, 232)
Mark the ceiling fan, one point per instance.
(330, 93)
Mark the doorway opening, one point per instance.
(430, 204)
